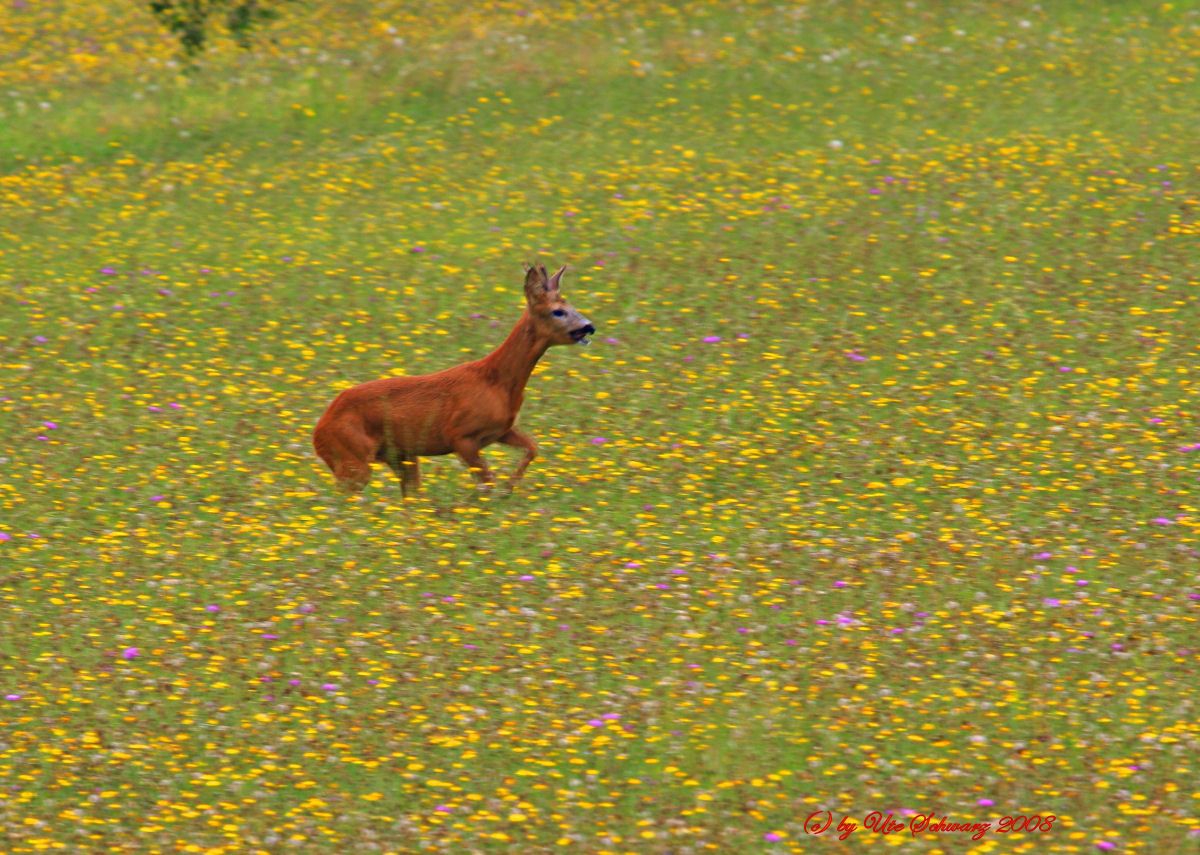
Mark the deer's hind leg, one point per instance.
(347, 452)
(352, 476)
(351, 472)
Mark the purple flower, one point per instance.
(525, 577)
(1105, 845)
(212, 608)
(772, 837)
(108, 271)
(1042, 556)
(839, 584)
(599, 440)
(293, 682)
(329, 687)
(130, 653)
(50, 425)
(1161, 521)
(595, 722)
(985, 802)
(1051, 602)
(5, 536)
(856, 356)
(711, 339)
(12, 697)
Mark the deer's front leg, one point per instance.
(468, 452)
(519, 439)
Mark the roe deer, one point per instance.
(397, 420)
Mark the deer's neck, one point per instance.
(510, 364)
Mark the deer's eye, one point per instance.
(559, 313)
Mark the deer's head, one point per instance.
(554, 317)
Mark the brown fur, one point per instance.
(398, 420)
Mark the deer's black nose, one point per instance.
(581, 334)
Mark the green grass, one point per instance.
(916, 534)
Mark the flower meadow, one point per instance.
(876, 491)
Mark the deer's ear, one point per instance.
(552, 284)
(536, 282)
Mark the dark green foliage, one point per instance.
(190, 20)
(243, 16)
